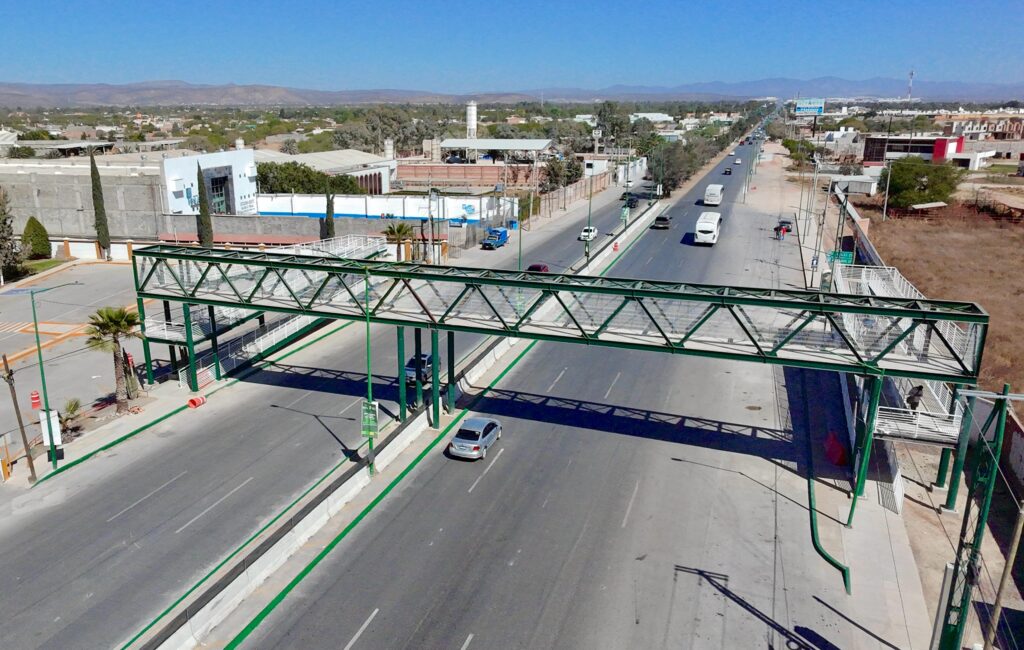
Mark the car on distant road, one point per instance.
(737, 162)
(733, 153)
(426, 366)
(588, 234)
(632, 202)
(728, 171)
(538, 268)
(474, 438)
(662, 222)
(628, 195)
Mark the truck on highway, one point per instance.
(713, 194)
(496, 238)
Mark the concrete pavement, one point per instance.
(98, 552)
(635, 500)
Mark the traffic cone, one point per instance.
(36, 403)
(835, 451)
(615, 247)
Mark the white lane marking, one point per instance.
(468, 640)
(298, 399)
(214, 505)
(630, 506)
(609, 391)
(556, 379)
(147, 496)
(362, 629)
(487, 469)
(545, 501)
(348, 407)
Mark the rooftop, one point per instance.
(326, 161)
(498, 144)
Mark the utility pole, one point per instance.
(1011, 557)
(9, 378)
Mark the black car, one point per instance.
(728, 171)
(662, 222)
(632, 202)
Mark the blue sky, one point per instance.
(458, 46)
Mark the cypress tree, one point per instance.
(35, 240)
(10, 258)
(329, 217)
(100, 212)
(204, 223)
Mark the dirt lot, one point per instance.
(975, 259)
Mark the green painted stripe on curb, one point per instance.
(144, 427)
(272, 605)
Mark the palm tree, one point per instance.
(397, 233)
(107, 327)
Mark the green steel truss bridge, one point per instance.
(867, 335)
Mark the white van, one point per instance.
(713, 194)
(709, 225)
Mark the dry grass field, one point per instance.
(979, 260)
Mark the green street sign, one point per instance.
(625, 213)
(844, 257)
(369, 419)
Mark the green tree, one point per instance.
(915, 180)
(204, 224)
(36, 134)
(35, 241)
(21, 152)
(573, 170)
(107, 328)
(329, 215)
(297, 178)
(10, 258)
(613, 121)
(98, 209)
(554, 176)
(289, 146)
(397, 233)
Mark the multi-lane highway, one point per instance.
(634, 500)
(91, 556)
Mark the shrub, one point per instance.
(35, 240)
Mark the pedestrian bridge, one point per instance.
(874, 335)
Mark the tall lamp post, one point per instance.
(42, 373)
(590, 205)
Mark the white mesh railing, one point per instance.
(937, 417)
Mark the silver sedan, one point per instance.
(475, 437)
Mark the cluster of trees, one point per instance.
(560, 173)
(915, 180)
(296, 178)
(35, 242)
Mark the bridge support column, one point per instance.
(170, 348)
(872, 386)
(146, 352)
(451, 372)
(947, 454)
(193, 378)
(401, 374)
(213, 336)
(418, 351)
(435, 378)
(961, 456)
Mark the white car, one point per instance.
(733, 153)
(737, 162)
(588, 234)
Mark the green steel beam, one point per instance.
(747, 296)
(861, 369)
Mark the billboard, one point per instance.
(810, 106)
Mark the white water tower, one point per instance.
(471, 120)
(239, 144)
(389, 148)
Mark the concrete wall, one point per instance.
(468, 208)
(63, 203)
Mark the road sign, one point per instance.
(369, 419)
(844, 257)
(625, 213)
(810, 106)
(659, 189)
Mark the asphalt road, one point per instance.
(635, 500)
(89, 558)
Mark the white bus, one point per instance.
(713, 194)
(709, 225)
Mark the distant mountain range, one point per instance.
(180, 93)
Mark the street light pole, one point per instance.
(42, 372)
(9, 378)
(590, 206)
